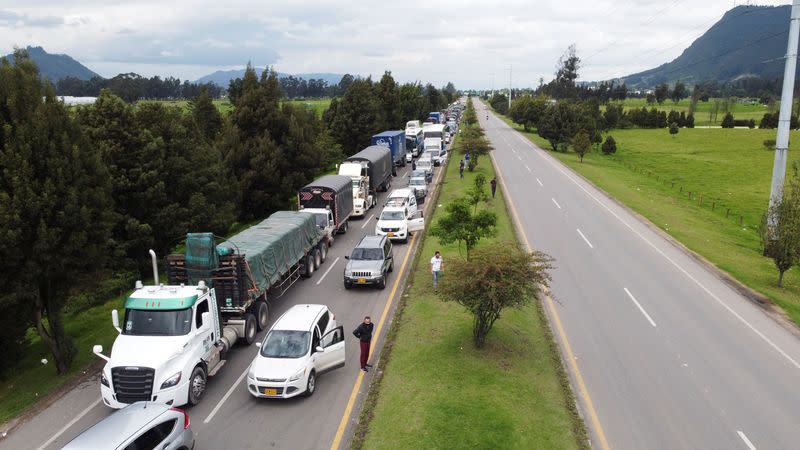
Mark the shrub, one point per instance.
(609, 146)
(769, 144)
(727, 122)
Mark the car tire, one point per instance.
(382, 283)
(197, 385)
(311, 384)
(317, 259)
(262, 315)
(323, 251)
(391, 266)
(348, 285)
(250, 329)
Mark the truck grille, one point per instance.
(390, 230)
(362, 274)
(132, 384)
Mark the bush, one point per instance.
(609, 146)
(673, 129)
(727, 122)
(769, 144)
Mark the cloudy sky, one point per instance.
(472, 43)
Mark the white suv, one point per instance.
(397, 223)
(304, 342)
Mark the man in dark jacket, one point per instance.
(364, 334)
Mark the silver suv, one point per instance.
(370, 262)
(140, 425)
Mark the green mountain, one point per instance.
(746, 41)
(55, 67)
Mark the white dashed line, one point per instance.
(69, 424)
(640, 307)
(584, 238)
(227, 394)
(540, 182)
(746, 441)
(529, 169)
(554, 201)
(329, 269)
(366, 222)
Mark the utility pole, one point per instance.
(784, 119)
(510, 68)
(492, 83)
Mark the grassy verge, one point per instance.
(702, 115)
(728, 173)
(438, 391)
(31, 380)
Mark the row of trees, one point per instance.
(86, 192)
(131, 87)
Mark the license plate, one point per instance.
(390, 234)
(270, 391)
(362, 280)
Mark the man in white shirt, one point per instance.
(436, 268)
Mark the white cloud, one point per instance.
(468, 42)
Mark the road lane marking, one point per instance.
(570, 357)
(519, 157)
(746, 441)
(326, 272)
(348, 410)
(541, 153)
(529, 169)
(650, 319)
(584, 238)
(540, 182)
(554, 201)
(70, 424)
(227, 394)
(366, 222)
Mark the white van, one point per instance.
(403, 198)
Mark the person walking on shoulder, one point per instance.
(493, 183)
(436, 268)
(364, 334)
(413, 165)
(461, 168)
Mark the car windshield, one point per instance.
(392, 215)
(153, 322)
(286, 344)
(416, 182)
(395, 201)
(367, 254)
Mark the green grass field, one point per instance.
(317, 105)
(225, 106)
(31, 380)
(701, 116)
(439, 391)
(732, 171)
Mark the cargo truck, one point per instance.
(436, 117)
(174, 337)
(376, 164)
(364, 198)
(330, 200)
(395, 140)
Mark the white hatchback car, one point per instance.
(302, 344)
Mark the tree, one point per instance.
(497, 277)
(559, 124)
(55, 204)
(661, 92)
(581, 144)
(388, 92)
(781, 240)
(673, 129)
(610, 145)
(566, 74)
(727, 121)
(461, 224)
(477, 193)
(499, 102)
(358, 115)
(206, 116)
(527, 110)
(678, 92)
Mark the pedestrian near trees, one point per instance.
(436, 268)
(494, 185)
(364, 334)
(461, 168)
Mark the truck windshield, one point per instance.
(285, 344)
(367, 254)
(321, 219)
(392, 215)
(150, 322)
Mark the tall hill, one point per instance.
(746, 41)
(55, 67)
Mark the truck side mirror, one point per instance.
(98, 350)
(115, 320)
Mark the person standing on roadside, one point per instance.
(493, 183)
(436, 268)
(364, 334)
(461, 168)
(413, 165)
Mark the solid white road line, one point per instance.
(539, 181)
(554, 201)
(746, 441)
(366, 222)
(584, 238)
(227, 394)
(326, 272)
(69, 424)
(640, 307)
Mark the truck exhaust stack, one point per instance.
(155, 267)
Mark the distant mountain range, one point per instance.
(223, 77)
(55, 67)
(746, 41)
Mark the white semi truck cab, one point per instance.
(363, 198)
(170, 342)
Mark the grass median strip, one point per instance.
(438, 391)
(707, 188)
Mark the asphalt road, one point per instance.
(228, 416)
(661, 353)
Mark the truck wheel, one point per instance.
(197, 385)
(311, 384)
(309, 266)
(317, 258)
(262, 315)
(250, 325)
(323, 251)
(344, 228)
